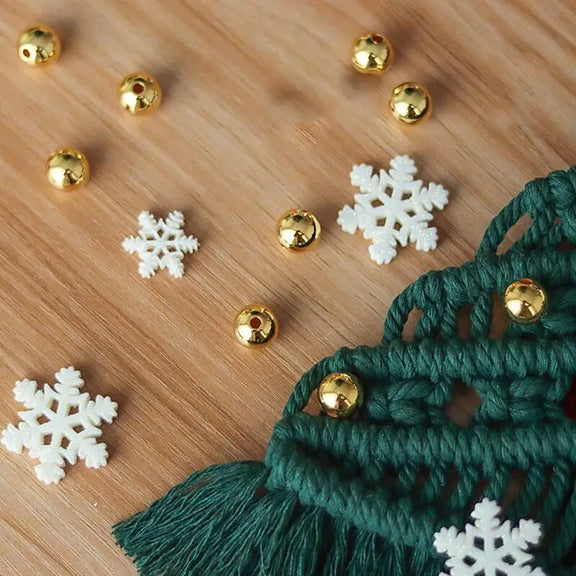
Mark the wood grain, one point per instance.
(262, 113)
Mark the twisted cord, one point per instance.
(363, 443)
(375, 509)
(443, 359)
(464, 286)
(545, 200)
(564, 540)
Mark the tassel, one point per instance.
(188, 525)
(222, 521)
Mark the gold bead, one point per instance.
(525, 301)
(140, 93)
(39, 46)
(410, 103)
(372, 54)
(67, 169)
(340, 394)
(298, 229)
(256, 325)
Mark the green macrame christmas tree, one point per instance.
(365, 496)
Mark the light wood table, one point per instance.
(262, 113)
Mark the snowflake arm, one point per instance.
(13, 438)
(101, 409)
(175, 221)
(148, 265)
(425, 237)
(449, 541)
(94, 454)
(50, 472)
(528, 533)
(433, 196)
(402, 169)
(383, 250)
(69, 381)
(135, 245)
(26, 392)
(174, 265)
(363, 177)
(146, 222)
(348, 219)
(187, 244)
(486, 514)
(65, 414)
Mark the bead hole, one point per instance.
(138, 88)
(26, 53)
(255, 323)
(377, 39)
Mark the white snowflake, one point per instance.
(489, 547)
(393, 208)
(161, 244)
(60, 424)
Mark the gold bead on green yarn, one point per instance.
(340, 394)
(525, 301)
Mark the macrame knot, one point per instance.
(563, 191)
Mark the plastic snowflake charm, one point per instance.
(161, 244)
(60, 424)
(489, 547)
(392, 208)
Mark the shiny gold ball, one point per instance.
(298, 229)
(67, 169)
(525, 301)
(372, 54)
(410, 103)
(255, 326)
(140, 93)
(39, 46)
(340, 394)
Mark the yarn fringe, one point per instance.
(222, 521)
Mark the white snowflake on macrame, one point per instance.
(489, 547)
(392, 208)
(161, 244)
(60, 424)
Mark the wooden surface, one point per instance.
(262, 113)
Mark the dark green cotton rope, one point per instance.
(366, 495)
(437, 359)
(522, 383)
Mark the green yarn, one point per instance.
(365, 496)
